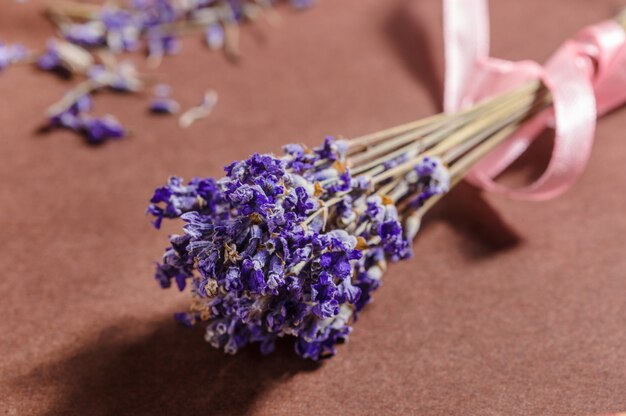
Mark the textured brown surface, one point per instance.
(507, 308)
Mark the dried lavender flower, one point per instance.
(95, 129)
(60, 55)
(214, 36)
(122, 77)
(89, 34)
(11, 54)
(302, 4)
(123, 29)
(161, 44)
(100, 129)
(162, 103)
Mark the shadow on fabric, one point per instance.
(484, 231)
(170, 371)
(409, 35)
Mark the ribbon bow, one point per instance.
(586, 77)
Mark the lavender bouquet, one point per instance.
(295, 245)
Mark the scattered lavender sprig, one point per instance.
(95, 129)
(159, 22)
(71, 111)
(117, 28)
(66, 57)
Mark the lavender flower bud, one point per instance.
(214, 36)
(11, 54)
(161, 103)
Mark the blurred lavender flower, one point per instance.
(161, 43)
(122, 29)
(429, 178)
(162, 103)
(11, 54)
(302, 4)
(91, 33)
(122, 77)
(60, 55)
(71, 116)
(51, 58)
(100, 129)
(214, 36)
(95, 129)
(157, 12)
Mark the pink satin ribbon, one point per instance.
(586, 76)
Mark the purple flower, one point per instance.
(164, 106)
(302, 4)
(326, 309)
(336, 263)
(100, 129)
(154, 12)
(87, 34)
(161, 103)
(214, 36)
(11, 54)
(123, 29)
(237, 9)
(160, 43)
(166, 273)
(398, 160)
(429, 178)
(122, 78)
(95, 129)
(328, 151)
(51, 58)
(64, 56)
(175, 199)
(71, 116)
(343, 185)
(186, 319)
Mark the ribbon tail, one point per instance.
(466, 38)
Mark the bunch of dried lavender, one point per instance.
(295, 245)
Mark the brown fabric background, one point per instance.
(507, 308)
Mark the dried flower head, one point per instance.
(162, 103)
(96, 130)
(11, 54)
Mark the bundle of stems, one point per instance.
(458, 140)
